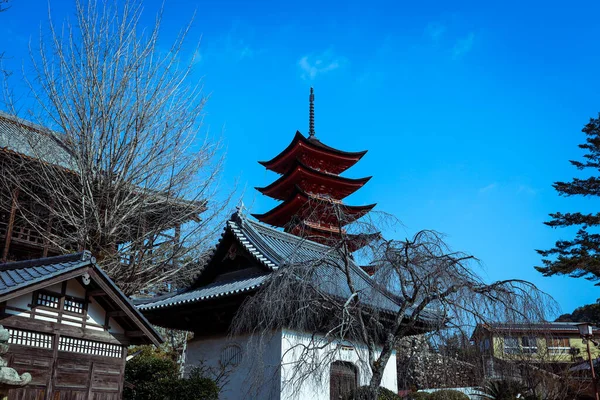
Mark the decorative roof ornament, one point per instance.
(311, 114)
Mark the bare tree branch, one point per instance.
(331, 301)
(127, 172)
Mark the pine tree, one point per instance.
(579, 257)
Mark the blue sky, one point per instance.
(469, 110)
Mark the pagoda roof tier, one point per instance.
(330, 235)
(311, 180)
(313, 153)
(301, 205)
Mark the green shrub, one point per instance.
(384, 394)
(419, 396)
(447, 394)
(154, 375)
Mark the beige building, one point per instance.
(553, 344)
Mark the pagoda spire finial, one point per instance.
(311, 114)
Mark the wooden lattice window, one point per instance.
(89, 347)
(74, 305)
(48, 300)
(343, 379)
(231, 355)
(28, 338)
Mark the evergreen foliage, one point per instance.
(419, 396)
(579, 256)
(153, 374)
(588, 313)
(502, 390)
(447, 394)
(362, 393)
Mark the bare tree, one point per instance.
(125, 170)
(418, 285)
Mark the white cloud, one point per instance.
(313, 65)
(488, 188)
(435, 30)
(463, 46)
(526, 189)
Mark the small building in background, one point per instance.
(69, 327)
(552, 346)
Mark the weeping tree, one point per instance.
(418, 285)
(121, 165)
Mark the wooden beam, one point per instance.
(96, 293)
(134, 334)
(48, 230)
(119, 313)
(127, 307)
(11, 223)
(29, 324)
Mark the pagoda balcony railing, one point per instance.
(22, 234)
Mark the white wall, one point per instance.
(267, 373)
(254, 378)
(317, 388)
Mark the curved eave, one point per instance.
(329, 237)
(276, 164)
(282, 188)
(284, 213)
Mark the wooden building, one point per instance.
(69, 327)
(312, 190)
(245, 260)
(30, 230)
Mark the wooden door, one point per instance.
(70, 377)
(343, 379)
(38, 362)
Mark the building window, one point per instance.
(231, 355)
(484, 345)
(529, 344)
(28, 338)
(343, 379)
(47, 300)
(511, 345)
(558, 345)
(74, 305)
(83, 346)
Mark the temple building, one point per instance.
(312, 190)
(28, 229)
(69, 327)
(247, 256)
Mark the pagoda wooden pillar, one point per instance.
(11, 223)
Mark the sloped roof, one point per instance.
(534, 326)
(215, 290)
(31, 140)
(23, 276)
(274, 249)
(17, 275)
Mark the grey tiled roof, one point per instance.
(274, 249)
(26, 138)
(17, 275)
(22, 274)
(535, 326)
(214, 290)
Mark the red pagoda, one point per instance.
(312, 190)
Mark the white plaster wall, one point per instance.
(75, 289)
(256, 377)
(22, 302)
(317, 387)
(96, 314)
